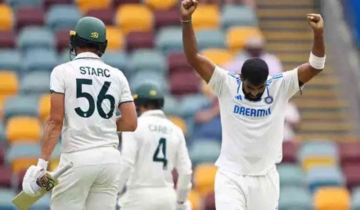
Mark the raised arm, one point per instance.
(201, 64)
(317, 59)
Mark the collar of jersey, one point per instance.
(87, 55)
(158, 113)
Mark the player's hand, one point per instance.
(187, 8)
(184, 206)
(316, 22)
(33, 173)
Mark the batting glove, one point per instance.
(33, 173)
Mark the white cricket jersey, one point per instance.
(252, 132)
(153, 151)
(93, 92)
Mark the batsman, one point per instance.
(85, 95)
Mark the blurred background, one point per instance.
(320, 168)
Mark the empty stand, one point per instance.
(178, 121)
(218, 56)
(35, 37)
(164, 18)
(20, 106)
(210, 38)
(204, 179)
(295, 198)
(147, 60)
(352, 175)
(6, 18)
(161, 4)
(289, 152)
(5, 177)
(322, 153)
(183, 83)
(40, 60)
(35, 83)
(49, 3)
(324, 176)
(62, 17)
(10, 60)
(9, 83)
(204, 151)
(7, 39)
(169, 40)
(86, 5)
(291, 175)
(62, 39)
(44, 107)
(236, 37)
(22, 156)
(115, 38)
(350, 153)
(20, 129)
(238, 16)
(194, 199)
(192, 103)
(117, 59)
(206, 17)
(177, 63)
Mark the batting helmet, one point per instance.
(89, 32)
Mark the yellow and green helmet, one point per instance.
(148, 93)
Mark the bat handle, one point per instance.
(61, 170)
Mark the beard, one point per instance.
(251, 98)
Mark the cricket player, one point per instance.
(252, 109)
(84, 96)
(150, 154)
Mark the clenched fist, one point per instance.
(187, 8)
(316, 22)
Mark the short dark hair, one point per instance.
(255, 70)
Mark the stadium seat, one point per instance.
(6, 18)
(86, 5)
(147, 60)
(352, 175)
(171, 105)
(291, 175)
(204, 179)
(37, 82)
(238, 16)
(117, 59)
(210, 38)
(218, 56)
(236, 37)
(49, 3)
(332, 199)
(169, 39)
(184, 83)
(53, 164)
(20, 129)
(35, 37)
(194, 199)
(17, 4)
(40, 60)
(62, 39)
(64, 56)
(115, 38)
(10, 60)
(355, 204)
(2, 148)
(62, 17)
(210, 201)
(161, 4)
(122, 2)
(5, 199)
(7, 39)
(20, 106)
(3, 98)
(165, 18)
(137, 79)
(128, 18)
(204, 151)
(321, 153)
(295, 198)
(178, 121)
(29, 17)
(44, 107)
(210, 129)
(22, 156)
(177, 63)
(191, 104)
(350, 153)
(5, 177)
(43, 203)
(324, 176)
(206, 17)
(106, 15)
(137, 40)
(9, 83)
(289, 152)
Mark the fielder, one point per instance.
(150, 154)
(84, 96)
(252, 108)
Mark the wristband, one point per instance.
(317, 62)
(43, 163)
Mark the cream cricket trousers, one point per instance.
(236, 192)
(148, 199)
(91, 184)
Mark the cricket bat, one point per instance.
(23, 201)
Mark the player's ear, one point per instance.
(242, 78)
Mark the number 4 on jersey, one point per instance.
(162, 147)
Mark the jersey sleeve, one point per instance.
(183, 163)
(218, 80)
(291, 83)
(57, 81)
(125, 95)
